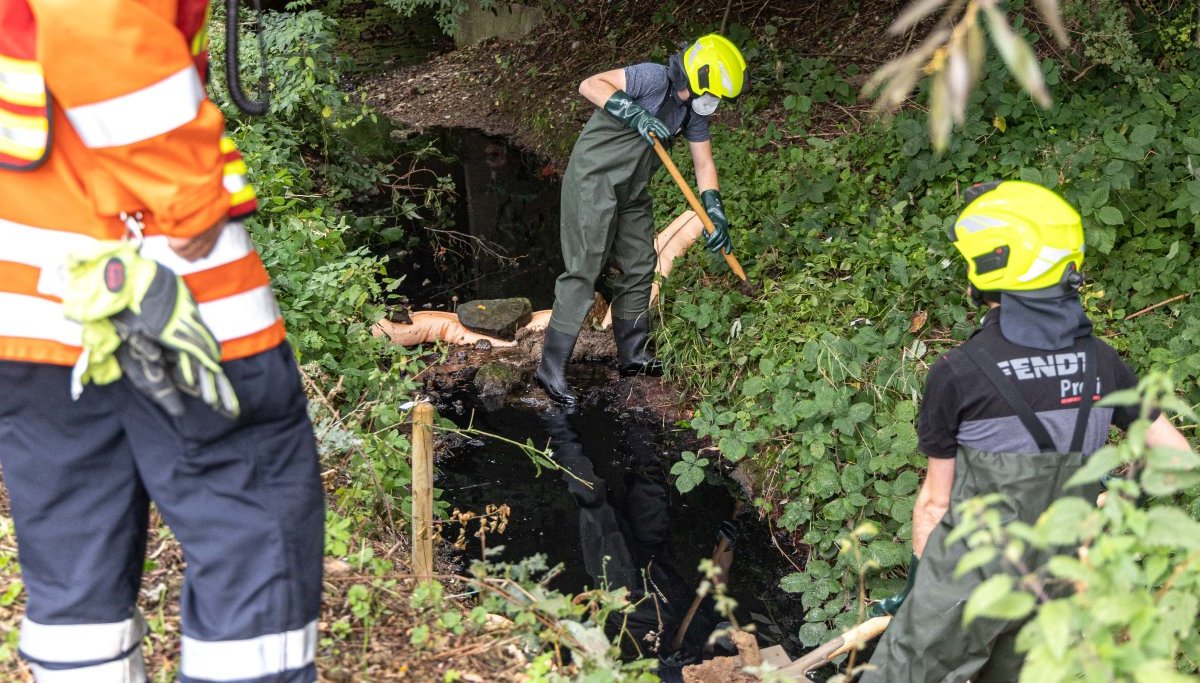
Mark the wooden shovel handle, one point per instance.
(696, 205)
(722, 546)
(862, 633)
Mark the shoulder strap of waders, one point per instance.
(1091, 378)
(1012, 396)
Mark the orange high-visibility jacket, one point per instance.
(103, 113)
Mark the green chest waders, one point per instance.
(606, 211)
(926, 642)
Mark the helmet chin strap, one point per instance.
(982, 298)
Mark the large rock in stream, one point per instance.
(495, 380)
(500, 318)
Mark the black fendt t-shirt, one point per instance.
(961, 407)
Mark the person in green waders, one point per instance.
(1009, 411)
(606, 207)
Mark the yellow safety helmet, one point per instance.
(1019, 237)
(715, 65)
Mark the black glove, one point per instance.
(730, 531)
(719, 239)
(892, 605)
(634, 115)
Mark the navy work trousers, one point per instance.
(243, 497)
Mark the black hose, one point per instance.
(233, 74)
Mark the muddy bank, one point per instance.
(592, 366)
(465, 89)
(526, 90)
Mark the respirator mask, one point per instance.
(705, 104)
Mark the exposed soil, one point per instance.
(526, 90)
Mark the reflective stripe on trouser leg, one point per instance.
(85, 653)
(252, 658)
(244, 498)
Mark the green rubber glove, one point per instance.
(140, 322)
(719, 240)
(892, 605)
(634, 115)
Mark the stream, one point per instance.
(500, 237)
(613, 516)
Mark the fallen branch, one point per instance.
(1160, 304)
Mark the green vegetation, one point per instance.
(331, 286)
(446, 11)
(1132, 566)
(813, 383)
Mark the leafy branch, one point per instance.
(1124, 598)
(953, 56)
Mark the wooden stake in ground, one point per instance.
(422, 491)
(696, 206)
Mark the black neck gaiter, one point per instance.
(1047, 324)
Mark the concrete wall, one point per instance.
(506, 21)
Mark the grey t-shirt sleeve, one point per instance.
(647, 84)
(697, 129)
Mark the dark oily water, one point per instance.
(501, 239)
(629, 524)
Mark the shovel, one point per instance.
(722, 546)
(837, 647)
(696, 206)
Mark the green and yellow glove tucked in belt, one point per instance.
(140, 321)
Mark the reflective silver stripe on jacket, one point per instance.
(140, 115)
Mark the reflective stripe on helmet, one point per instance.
(977, 223)
(1046, 259)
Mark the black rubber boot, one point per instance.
(551, 372)
(633, 356)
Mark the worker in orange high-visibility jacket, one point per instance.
(105, 128)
